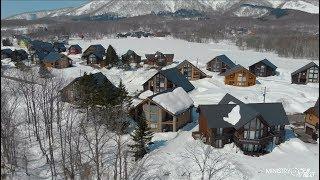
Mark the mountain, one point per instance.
(130, 8)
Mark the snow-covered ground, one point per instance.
(286, 161)
(295, 98)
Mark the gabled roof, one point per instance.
(159, 54)
(229, 99)
(223, 58)
(273, 113)
(52, 57)
(41, 55)
(174, 75)
(98, 55)
(175, 101)
(235, 69)
(75, 46)
(186, 61)
(98, 77)
(130, 52)
(309, 65)
(6, 51)
(268, 63)
(97, 47)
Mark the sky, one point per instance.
(12, 7)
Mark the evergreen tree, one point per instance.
(111, 57)
(141, 137)
(122, 95)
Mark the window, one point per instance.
(313, 74)
(154, 117)
(153, 126)
(219, 131)
(241, 79)
(262, 69)
(252, 135)
(219, 143)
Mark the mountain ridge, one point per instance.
(130, 8)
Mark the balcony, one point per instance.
(260, 141)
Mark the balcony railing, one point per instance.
(258, 141)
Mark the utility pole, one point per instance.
(264, 94)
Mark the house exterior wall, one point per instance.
(215, 65)
(252, 138)
(256, 69)
(190, 72)
(311, 122)
(158, 83)
(303, 77)
(63, 63)
(233, 79)
(158, 119)
(73, 50)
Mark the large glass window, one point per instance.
(313, 74)
(241, 79)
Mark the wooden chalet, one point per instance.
(56, 60)
(162, 110)
(59, 47)
(131, 57)
(190, 71)
(252, 127)
(306, 74)
(74, 49)
(312, 121)
(70, 94)
(6, 53)
(94, 55)
(159, 59)
(239, 76)
(220, 64)
(167, 79)
(263, 68)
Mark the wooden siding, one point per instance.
(165, 120)
(302, 77)
(63, 63)
(232, 79)
(215, 65)
(256, 70)
(190, 71)
(162, 86)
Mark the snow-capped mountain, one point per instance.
(129, 8)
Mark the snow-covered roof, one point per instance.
(175, 101)
(234, 115)
(145, 94)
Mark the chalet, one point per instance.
(252, 127)
(158, 59)
(167, 79)
(94, 54)
(19, 55)
(263, 68)
(239, 76)
(56, 60)
(131, 57)
(6, 53)
(37, 56)
(306, 74)
(312, 121)
(71, 95)
(74, 49)
(220, 64)
(39, 49)
(165, 111)
(59, 47)
(190, 71)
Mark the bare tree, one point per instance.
(211, 164)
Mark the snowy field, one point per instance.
(295, 98)
(298, 158)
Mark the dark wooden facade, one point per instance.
(190, 71)
(252, 138)
(262, 70)
(240, 77)
(158, 59)
(131, 57)
(306, 75)
(63, 62)
(218, 65)
(74, 49)
(158, 83)
(312, 122)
